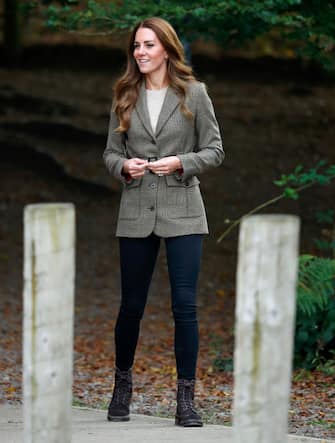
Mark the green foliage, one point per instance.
(321, 174)
(325, 244)
(328, 218)
(26, 8)
(231, 23)
(314, 340)
(315, 283)
(327, 365)
(315, 319)
(293, 184)
(220, 363)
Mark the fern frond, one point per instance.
(316, 283)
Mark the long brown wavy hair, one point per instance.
(127, 87)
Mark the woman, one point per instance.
(162, 132)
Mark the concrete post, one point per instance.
(49, 270)
(265, 314)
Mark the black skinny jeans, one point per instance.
(138, 257)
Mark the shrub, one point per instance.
(315, 319)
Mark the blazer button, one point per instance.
(154, 142)
(152, 208)
(152, 185)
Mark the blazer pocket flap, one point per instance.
(171, 180)
(135, 182)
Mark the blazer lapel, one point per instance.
(141, 108)
(171, 101)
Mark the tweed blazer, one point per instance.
(169, 205)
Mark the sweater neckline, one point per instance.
(157, 90)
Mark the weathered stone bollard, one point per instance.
(49, 271)
(265, 315)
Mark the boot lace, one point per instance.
(122, 390)
(185, 397)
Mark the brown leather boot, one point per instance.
(118, 409)
(186, 415)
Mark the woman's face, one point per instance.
(149, 52)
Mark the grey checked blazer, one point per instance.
(170, 205)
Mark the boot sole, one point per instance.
(118, 418)
(188, 424)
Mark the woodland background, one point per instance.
(269, 67)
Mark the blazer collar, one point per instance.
(171, 101)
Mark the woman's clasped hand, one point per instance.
(137, 167)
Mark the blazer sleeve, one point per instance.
(114, 154)
(209, 151)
